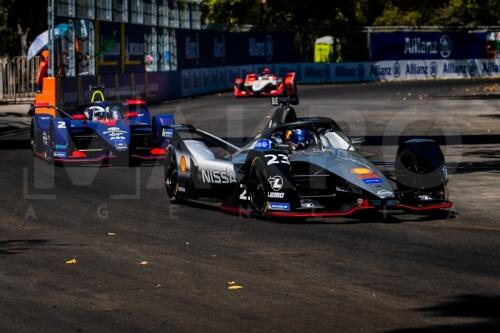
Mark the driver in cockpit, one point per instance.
(298, 139)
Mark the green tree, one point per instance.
(20, 22)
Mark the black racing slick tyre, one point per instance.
(258, 187)
(172, 178)
(421, 171)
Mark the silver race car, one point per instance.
(301, 168)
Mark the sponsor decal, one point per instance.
(263, 144)
(120, 146)
(361, 171)
(453, 68)
(276, 183)
(344, 71)
(264, 49)
(218, 177)
(167, 133)
(283, 206)
(434, 69)
(371, 181)
(309, 205)
(397, 69)
(490, 68)
(414, 69)
(445, 46)
(367, 176)
(61, 147)
(378, 70)
(472, 67)
(60, 154)
(115, 133)
(415, 45)
(276, 195)
(181, 189)
(385, 194)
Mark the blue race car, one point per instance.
(99, 131)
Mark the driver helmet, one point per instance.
(266, 71)
(97, 113)
(298, 138)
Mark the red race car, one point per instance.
(266, 84)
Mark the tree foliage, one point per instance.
(20, 20)
(293, 14)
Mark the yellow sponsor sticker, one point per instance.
(361, 171)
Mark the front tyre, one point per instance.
(172, 178)
(421, 179)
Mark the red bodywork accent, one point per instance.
(288, 83)
(79, 116)
(250, 78)
(236, 210)
(136, 102)
(108, 122)
(242, 93)
(158, 151)
(148, 158)
(426, 208)
(365, 205)
(131, 114)
(78, 154)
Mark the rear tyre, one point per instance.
(258, 187)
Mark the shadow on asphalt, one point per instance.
(492, 116)
(377, 217)
(473, 97)
(18, 246)
(484, 310)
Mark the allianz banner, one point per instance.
(427, 45)
(203, 49)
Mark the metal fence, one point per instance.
(17, 79)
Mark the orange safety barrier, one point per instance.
(48, 95)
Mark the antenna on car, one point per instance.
(283, 112)
(97, 93)
(284, 101)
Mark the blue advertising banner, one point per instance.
(427, 45)
(201, 49)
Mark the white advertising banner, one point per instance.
(208, 80)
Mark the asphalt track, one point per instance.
(143, 265)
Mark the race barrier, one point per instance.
(160, 86)
(207, 80)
